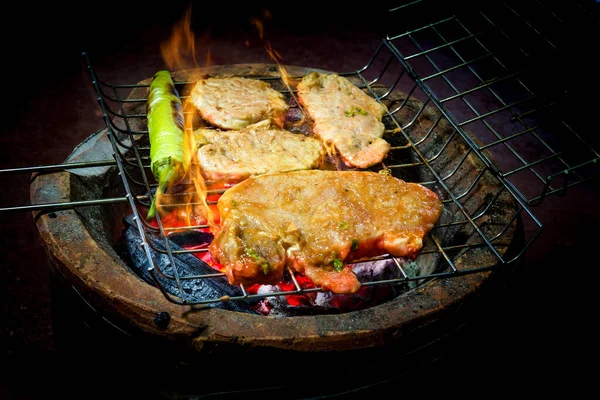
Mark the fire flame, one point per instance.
(191, 207)
(288, 80)
(275, 56)
(195, 206)
(181, 45)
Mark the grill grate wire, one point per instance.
(381, 77)
(427, 63)
(513, 55)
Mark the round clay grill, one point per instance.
(81, 245)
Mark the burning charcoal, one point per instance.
(268, 289)
(315, 303)
(288, 305)
(376, 270)
(186, 265)
(291, 102)
(294, 115)
(191, 238)
(295, 122)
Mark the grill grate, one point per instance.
(425, 149)
(505, 75)
(469, 117)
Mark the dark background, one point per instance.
(535, 336)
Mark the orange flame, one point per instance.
(191, 207)
(288, 80)
(188, 208)
(274, 54)
(181, 44)
(258, 23)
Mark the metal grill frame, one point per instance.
(536, 33)
(384, 66)
(402, 69)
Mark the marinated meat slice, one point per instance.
(236, 102)
(317, 221)
(235, 155)
(345, 117)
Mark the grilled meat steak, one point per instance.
(236, 102)
(346, 117)
(316, 221)
(235, 155)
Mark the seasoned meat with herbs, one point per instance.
(317, 221)
(232, 156)
(236, 102)
(345, 117)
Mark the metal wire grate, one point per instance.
(512, 77)
(480, 215)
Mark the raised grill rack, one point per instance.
(471, 78)
(522, 58)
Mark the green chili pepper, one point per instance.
(170, 156)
